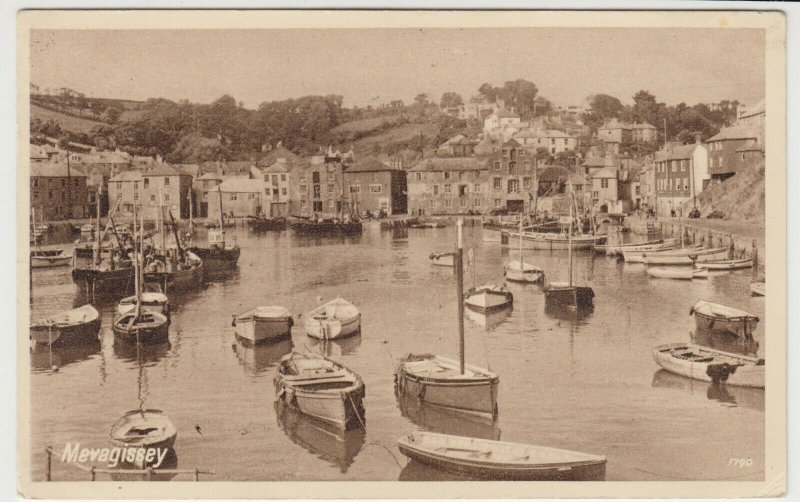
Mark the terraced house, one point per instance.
(448, 186)
(376, 187)
(160, 185)
(58, 192)
(511, 174)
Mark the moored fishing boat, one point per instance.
(321, 388)
(718, 318)
(344, 226)
(144, 429)
(79, 325)
(758, 288)
(555, 241)
(520, 271)
(653, 245)
(501, 460)
(439, 381)
(638, 256)
(442, 259)
(488, 299)
(336, 319)
(727, 264)
(686, 258)
(264, 223)
(263, 323)
(220, 255)
(425, 223)
(41, 258)
(711, 365)
(686, 273)
(150, 300)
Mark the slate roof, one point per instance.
(449, 164)
(731, 133)
(54, 170)
(370, 164)
(240, 185)
(682, 152)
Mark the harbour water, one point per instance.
(587, 384)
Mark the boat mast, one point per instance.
(96, 247)
(161, 222)
(191, 212)
(221, 223)
(459, 264)
(521, 268)
(136, 270)
(569, 245)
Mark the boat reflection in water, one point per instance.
(445, 421)
(489, 320)
(44, 359)
(147, 353)
(564, 313)
(169, 462)
(335, 348)
(328, 442)
(257, 359)
(727, 395)
(726, 342)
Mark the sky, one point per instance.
(373, 66)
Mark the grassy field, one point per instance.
(67, 122)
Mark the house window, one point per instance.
(476, 188)
(447, 175)
(153, 198)
(330, 188)
(283, 177)
(477, 203)
(135, 185)
(330, 205)
(166, 181)
(303, 177)
(355, 188)
(462, 190)
(331, 177)
(463, 202)
(147, 182)
(526, 183)
(135, 196)
(283, 191)
(497, 166)
(686, 183)
(743, 156)
(435, 189)
(419, 176)
(303, 203)
(317, 206)
(251, 196)
(604, 183)
(498, 184)
(274, 179)
(498, 202)
(233, 196)
(317, 192)
(447, 189)
(376, 188)
(432, 203)
(166, 197)
(315, 177)
(36, 182)
(303, 188)
(447, 203)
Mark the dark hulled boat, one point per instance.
(75, 326)
(327, 226)
(219, 255)
(265, 224)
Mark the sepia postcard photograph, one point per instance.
(404, 254)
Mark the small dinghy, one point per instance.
(336, 319)
(49, 258)
(442, 259)
(321, 388)
(439, 381)
(263, 324)
(718, 318)
(517, 271)
(710, 365)
(677, 273)
(74, 326)
(758, 288)
(151, 300)
(501, 460)
(146, 327)
(144, 429)
(727, 264)
(638, 255)
(488, 298)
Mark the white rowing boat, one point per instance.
(442, 259)
(727, 264)
(336, 319)
(144, 429)
(660, 249)
(488, 299)
(718, 318)
(710, 365)
(685, 273)
(263, 323)
(501, 460)
(758, 288)
(688, 257)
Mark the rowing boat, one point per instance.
(49, 258)
(336, 319)
(488, 299)
(727, 264)
(653, 245)
(321, 388)
(758, 288)
(264, 323)
(79, 325)
(555, 241)
(710, 365)
(688, 257)
(717, 318)
(630, 256)
(501, 460)
(144, 429)
(151, 300)
(677, 273)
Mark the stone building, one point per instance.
(58, 192)
(376, 186)
(448, 186)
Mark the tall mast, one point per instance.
(570, 239)
(221, 223)
(96, 249)
(459, 264)
(535, 186)
(191, 212)
(161, 221)
(521, 268)
(136, 270)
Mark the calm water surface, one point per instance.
(586, 384)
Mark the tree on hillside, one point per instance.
(451, 100)
(489, 92)
(421, 99)
(542, 107)
(602, 107)
(112, 114)
(645, 108)
(520, 95)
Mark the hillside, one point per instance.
(740, 197)
(68, 122)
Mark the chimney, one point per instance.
(697, 139)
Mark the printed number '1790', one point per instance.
(740, 462)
